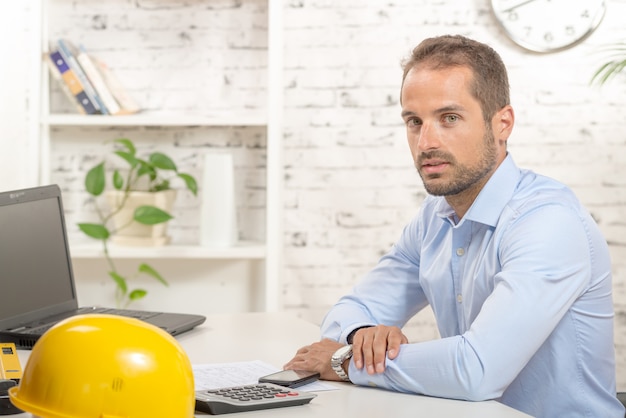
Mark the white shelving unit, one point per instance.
(268, 251)
(155, 119)
(241, 251)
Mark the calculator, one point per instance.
(249, 398)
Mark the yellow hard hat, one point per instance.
(106, 366)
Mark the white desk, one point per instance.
(275, 337)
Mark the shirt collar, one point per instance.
(493, 197)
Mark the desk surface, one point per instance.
(275, 337)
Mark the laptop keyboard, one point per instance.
(143, 315)
(131, 313)
(38, 330)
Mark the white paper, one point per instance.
(221, 375)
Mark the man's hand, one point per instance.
(316, 357)
(370, 347)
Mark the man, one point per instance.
(516, 271)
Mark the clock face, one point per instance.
(548, 25)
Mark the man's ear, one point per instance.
(502, 123)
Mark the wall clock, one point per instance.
(548, 25)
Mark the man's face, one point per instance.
(454, 151)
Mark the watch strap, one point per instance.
(350, 337)
(337, 359)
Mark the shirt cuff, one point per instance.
(343, 338)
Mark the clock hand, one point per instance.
(510, 9)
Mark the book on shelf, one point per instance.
(126, 102)
(69, 82)
(96, 79)
(88, 81)
(69, 52)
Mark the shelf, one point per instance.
(251, 118)
(54, 126)
(243, 250)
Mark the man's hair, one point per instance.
(490, 84)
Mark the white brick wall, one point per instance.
(349, 181)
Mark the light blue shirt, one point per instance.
(521, 291)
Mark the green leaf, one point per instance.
(128, 144)
(162, 161)
(610, 69)
(137, 294)
(130, 158)
(120, 281)
(144, 268)
(118, 180)
(146, 168)
(190, 182)
(94, 181)
(97, 231)
(150, 215)
(164, 185)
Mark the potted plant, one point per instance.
(614, 66)
(129, 207)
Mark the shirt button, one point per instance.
(460, 251)
(459, 298)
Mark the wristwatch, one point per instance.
(337, 359)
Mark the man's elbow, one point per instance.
(478, 388)
(482, 394)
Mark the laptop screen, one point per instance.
(35, 269)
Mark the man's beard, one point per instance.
(463, 177)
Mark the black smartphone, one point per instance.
(290, 378)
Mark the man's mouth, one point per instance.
(433, 166)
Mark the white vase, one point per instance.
(132, 233)
(218, 226)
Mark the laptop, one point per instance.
(37, 286)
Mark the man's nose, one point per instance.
(428, 137)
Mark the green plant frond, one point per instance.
(608, 71)
(601, 74)
(620, 45)
(128, 144)
(150, 215)
(146, 269)
(128, 157)
(616, 64)
(190, 182)
(137, 294)
(95, 180)
(618, 54)
(162, 161)
(96, 231)
(120, 281)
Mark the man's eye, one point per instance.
(413, 122)
(450, 118)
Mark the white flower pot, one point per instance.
(132, 233)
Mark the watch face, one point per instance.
(548, 25)
(341, 354)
